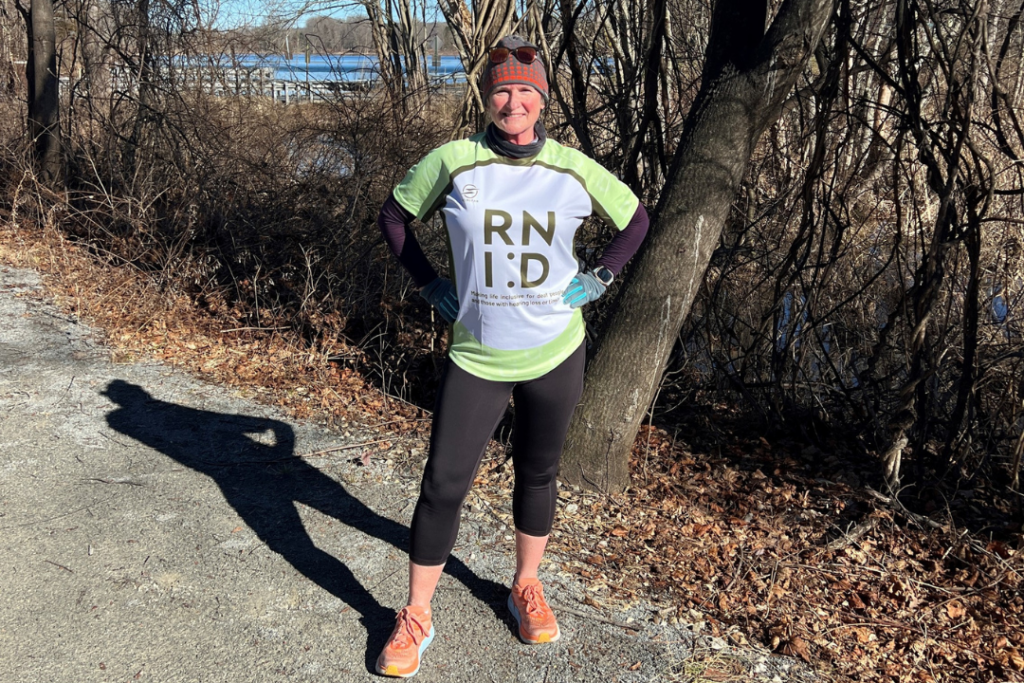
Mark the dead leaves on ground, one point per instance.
(761, 552)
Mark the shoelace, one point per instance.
(533, 596)
(409, 625)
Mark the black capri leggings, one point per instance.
(468, 410)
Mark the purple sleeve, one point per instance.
(626, 242)
(393, 222)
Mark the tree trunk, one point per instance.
(747, 76)
(43, 89)
(145, 115)
(95, 32)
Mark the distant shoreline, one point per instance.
(429, 53)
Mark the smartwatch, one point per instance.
(603, 275)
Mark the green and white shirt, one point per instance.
(510, 226)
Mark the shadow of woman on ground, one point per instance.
(263, 482)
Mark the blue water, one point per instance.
(999, 309)
(336, 67)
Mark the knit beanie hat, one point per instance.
(514, 71)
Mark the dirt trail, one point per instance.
(153, 527)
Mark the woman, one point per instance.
(511, 201)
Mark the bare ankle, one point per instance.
(520, 579)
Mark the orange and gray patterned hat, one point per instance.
(514, 71)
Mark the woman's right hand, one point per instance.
(440, 294)
(583, 289)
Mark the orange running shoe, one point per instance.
(536, 620)
(413, 633)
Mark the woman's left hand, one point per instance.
(583, 289)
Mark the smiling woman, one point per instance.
(511, 201)
(514, 109)
(516, 88)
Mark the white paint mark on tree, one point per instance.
(665, 336)
(634, 401)
(696, 260)
(769, 85)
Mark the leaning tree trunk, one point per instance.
(43, 89)
(747, 76)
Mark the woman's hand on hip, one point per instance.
(583, 289)
(440, 294)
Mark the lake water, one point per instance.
(337, 67)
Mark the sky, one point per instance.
(239, 13)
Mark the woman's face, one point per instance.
(514, 109)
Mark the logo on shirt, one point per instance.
(499, 224)
(470, 191)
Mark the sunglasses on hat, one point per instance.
(525, 55)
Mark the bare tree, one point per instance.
(11, 42)
(474, 31)
(43, 86)
(866, 279)
(747, 77)
(400, 42)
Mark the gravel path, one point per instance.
(153, 527)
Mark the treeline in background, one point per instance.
(331, 35)
(866, 287)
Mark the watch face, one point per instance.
(604, 275)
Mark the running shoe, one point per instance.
(413, 633)
(536, 620)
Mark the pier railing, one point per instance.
(263, 81)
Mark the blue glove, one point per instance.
(583, 289)
(441, 295)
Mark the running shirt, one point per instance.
(510, 226)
